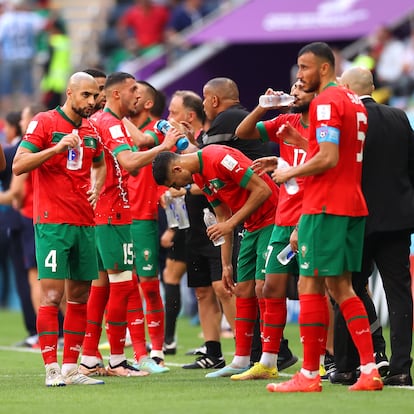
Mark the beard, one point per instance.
(300, 109)
(83, 112)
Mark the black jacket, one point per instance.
(388, 169)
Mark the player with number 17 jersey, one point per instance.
(289, 205)
(337, 191)
(52, 205)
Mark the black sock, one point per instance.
(214, 349)
(172, 310)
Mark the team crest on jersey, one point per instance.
(216, 184)
(31, 127)
(323, 112)
(207, 190)
(229, 162)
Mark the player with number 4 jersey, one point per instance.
(64, 199)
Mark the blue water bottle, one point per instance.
(163, 126)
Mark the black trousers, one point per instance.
(390, 251)
(22, 281)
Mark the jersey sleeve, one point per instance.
(235, 168)
(34, 139)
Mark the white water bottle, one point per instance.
(210, 220)
(286, 255)
(291, 185)
(172, 221)
(182, 214)
(270, 101)
(75, 155)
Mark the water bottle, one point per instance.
(290, 185)
(182, 214)
(209, 220)
(170, 212)
(286, 255)
(75, 155)
(163, 126)
(270, 101)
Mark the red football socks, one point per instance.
(274, 323)
(246, 315)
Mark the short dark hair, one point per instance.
(13, 118)
(150, 88)
(116, 78)
(158, 108)
(160, 166)
(320, 49)
(95, 73)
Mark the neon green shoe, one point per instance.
(257, 371)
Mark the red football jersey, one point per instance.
(27, 203)
(224, 174)
(113, 203)
(289, 205)
(143, 190)
(337, 115)
(60, 195)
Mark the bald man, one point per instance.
(388, 187)
(223, 110)
(64, 201)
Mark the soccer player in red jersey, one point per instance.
(287, 217)
(331, 227)
(238, 195)
(144, 194)
(113, 220)
(64, 221)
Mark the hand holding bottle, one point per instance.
(290, 184)
(275, 99)
(75, 152)
(210, 220)
(165, 127)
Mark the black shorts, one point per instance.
(203, 267)
(178, 250)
